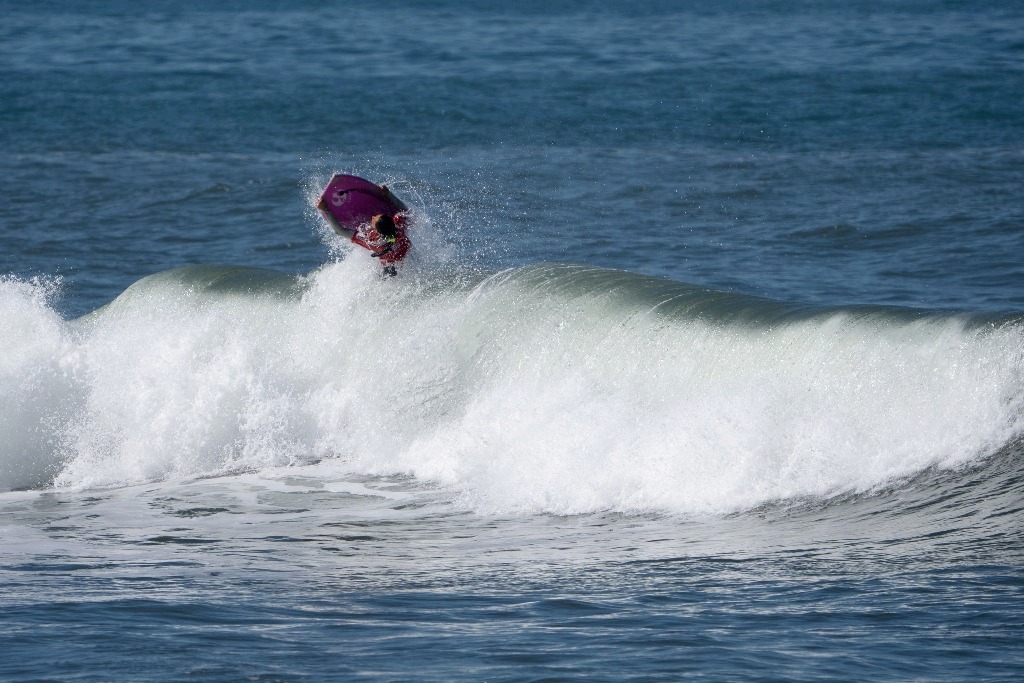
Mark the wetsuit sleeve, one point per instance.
(358, 239)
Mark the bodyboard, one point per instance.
(349, 202)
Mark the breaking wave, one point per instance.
(550, 388)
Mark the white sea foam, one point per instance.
(513, 394)
(36, 381)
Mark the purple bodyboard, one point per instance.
(352, 201)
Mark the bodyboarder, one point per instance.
(370, 216)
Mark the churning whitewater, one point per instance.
(551, 388)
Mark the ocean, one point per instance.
(707, 362)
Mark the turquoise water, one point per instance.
(709, 359)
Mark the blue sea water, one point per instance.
(708, 361)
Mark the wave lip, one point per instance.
(552, 388)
